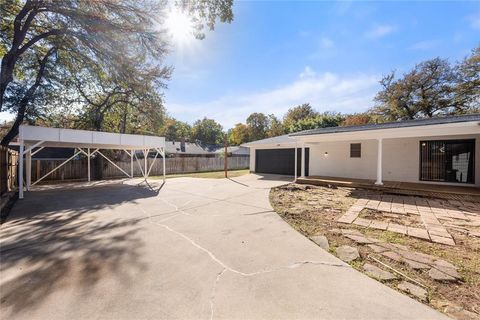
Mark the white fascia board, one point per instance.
(269, 145)
(56, 137)
(463, 128)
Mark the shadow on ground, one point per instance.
(55, 238)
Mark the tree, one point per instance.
(116, 36)
(324, 120)
(175, 130)
(296, 114)
(239, 134)
(431, 88)
(258, 124)
(275, 127)
(208, 131)
(467, 86)
(358, 119)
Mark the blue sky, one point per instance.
(278, 54)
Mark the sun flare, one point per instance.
(180, 27)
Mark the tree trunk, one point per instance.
(27, 98)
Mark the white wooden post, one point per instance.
(28, 168)
(145, 156)
(20, 166)
(163, 160)
(88, 163)
(303, 161)
(131, 163)
(379, 163)
(296, 163)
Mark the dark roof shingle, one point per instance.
(391, 125)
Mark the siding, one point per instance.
(338, 162)
(401, 159)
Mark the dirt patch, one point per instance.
(403, 219)
(313, 210)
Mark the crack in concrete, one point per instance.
(224, 266)
(228, 268)
(214, 290)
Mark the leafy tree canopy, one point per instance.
(208, 131)
(433, 87)
(116, 45)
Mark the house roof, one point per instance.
(353, 132)
(237, 150)
(175, 147)
(284, 139)
(391, 125)
(48, 153)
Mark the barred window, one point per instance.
(447, 161)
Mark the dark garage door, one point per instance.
(279, 161)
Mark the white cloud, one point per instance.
(380, 31)
(326, 91)
(326, 43)
(425, 45)
(474, 21)
(307, 73)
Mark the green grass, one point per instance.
(208, 175)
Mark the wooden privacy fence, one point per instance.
(8, 170)
(77, 169)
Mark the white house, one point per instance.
(443, 150)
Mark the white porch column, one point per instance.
(296, 162)
(303, 161)
(88, 163)
(28, 168)
(379, 162)
(20, 166)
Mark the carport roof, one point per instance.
(56, 137)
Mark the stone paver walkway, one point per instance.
(438, 269)
(461, 216)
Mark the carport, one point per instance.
(32, 139)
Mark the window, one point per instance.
(355, 150)
(447, 161)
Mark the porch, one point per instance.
(404, 188)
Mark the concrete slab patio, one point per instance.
(190, 249)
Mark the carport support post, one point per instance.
(163, 157)
(145, 157)
(20, 166)
(88, 163)
(131, 163)
(28, 168)
(379, 162)
(303, 161)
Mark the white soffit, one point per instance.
(55, 137)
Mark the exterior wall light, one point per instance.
(325, 154)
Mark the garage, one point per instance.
(280, 161)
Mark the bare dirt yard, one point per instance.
(393, 244)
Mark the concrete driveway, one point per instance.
(194, 249)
